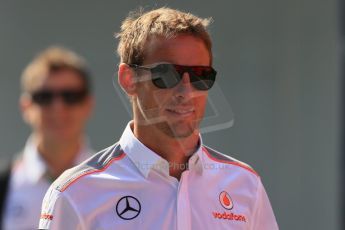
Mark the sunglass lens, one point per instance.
(203, 78)
(73, 97)
(165, 76)
(43, 97)
(202, 84)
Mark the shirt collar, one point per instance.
(145, 159)
(35, 165)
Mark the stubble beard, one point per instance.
(176, 130)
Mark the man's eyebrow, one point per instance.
(155, 64)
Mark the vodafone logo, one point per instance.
(225, 200)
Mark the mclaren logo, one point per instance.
(128, 207)
(225, 200)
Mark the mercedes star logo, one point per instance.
(128, 207)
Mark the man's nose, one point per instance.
(58, 104)
(185, 88)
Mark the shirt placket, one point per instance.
(183, 204)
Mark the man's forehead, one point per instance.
(57, 79)
(163, 49)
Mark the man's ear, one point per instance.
(24, 105)
(126, 79)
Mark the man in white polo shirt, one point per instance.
(160, 175)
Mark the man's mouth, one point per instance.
(181, 111)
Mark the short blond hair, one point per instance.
(164, 22)
(51, 60)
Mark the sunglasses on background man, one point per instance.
(70, 97)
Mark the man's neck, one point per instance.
(176, 151)
(58, 155)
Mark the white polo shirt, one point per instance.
(27, 187)
(128, 186)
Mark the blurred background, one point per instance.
(279, 67)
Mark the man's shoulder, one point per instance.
(97, 163)
(221, 158)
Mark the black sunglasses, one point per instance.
(69, 97)
(166, 75)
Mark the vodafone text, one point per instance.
(229, 216)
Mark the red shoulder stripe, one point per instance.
(230, 162)
(93, 171)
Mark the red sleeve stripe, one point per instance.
(46, 216)
(122, 155)
(230, 162)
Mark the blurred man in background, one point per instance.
(56, 103)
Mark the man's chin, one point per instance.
(63, 136)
